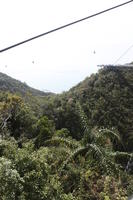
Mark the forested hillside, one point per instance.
(107, 99)
(72, 146)
(14, 86)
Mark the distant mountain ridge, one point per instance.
(12, 85)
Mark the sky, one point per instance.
(60, 60)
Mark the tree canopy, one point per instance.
(72, 146)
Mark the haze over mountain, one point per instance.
(12, 85)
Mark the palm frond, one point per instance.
(77, 152)
(90, 148)
(84, 121)
(107, 133)
(121, 154)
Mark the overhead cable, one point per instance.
(125, 52)
(64, 26)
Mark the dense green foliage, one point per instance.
(107, 100)
(73, 146)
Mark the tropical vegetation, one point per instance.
(72, 146)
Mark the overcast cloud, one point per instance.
(60, 60)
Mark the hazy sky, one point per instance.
(60, 60)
